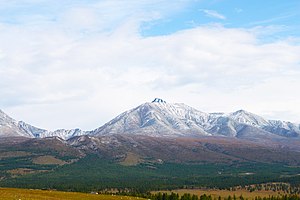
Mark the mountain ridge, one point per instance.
(179, 119)
(10, 127)
(161, 119)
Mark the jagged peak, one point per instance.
(158, 100)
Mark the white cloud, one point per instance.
(213, 14)
(66, 74)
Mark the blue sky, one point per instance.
(186, 14)
(232, 14)
(95, 59)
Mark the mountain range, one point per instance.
(161, 119)
(11, 128)
(158, 143)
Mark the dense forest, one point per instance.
(144, 177)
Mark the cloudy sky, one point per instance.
(79, 63)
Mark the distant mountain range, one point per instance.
(11, 128)
(161, 119)
(156, 142)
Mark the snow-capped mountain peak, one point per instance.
(245, 117)
(157, 118)
(162, 119)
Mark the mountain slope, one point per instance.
(210, 149)
(11, 128)
(162, 119)
(158, 119)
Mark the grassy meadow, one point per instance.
(28, 194)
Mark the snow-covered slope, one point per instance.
(11, 128)
(162, 119)
(283, 128)
(157, 118)
(65, 134)
(41, 133)
(244, 117)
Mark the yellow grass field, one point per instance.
(225, 193)
(28, 194)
